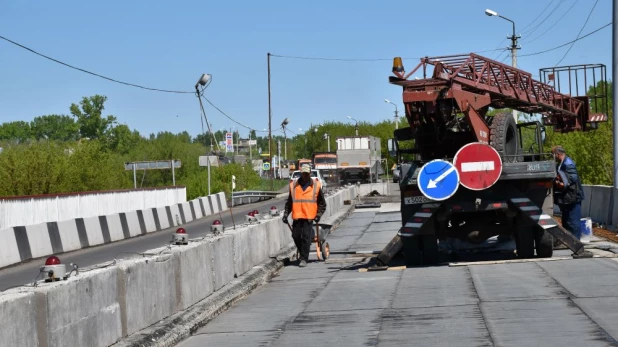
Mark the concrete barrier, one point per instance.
(101, 306)
(22, 243)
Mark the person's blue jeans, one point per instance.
(571, 218)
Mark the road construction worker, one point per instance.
(568, 192)
(307, 204)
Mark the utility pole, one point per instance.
(270, 135)
(513, 47)
(614, 92)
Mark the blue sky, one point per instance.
(169, 44)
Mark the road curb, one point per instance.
(171, 330)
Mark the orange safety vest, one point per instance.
(304, 203)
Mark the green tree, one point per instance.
(89, 116)
(121, 139)
(17, 131)
(55, 127)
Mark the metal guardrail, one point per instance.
(251, 196)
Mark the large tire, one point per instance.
(544, 243)
(430, 249)
(412, 250)
(525, 242)
(503, 136)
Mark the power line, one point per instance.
(354, 59)
(539, 16)
(568, 43)
(230, 118)
(93, 73)
(580, 32)
(553, 25)
(546, 18)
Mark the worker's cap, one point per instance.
(305, 168)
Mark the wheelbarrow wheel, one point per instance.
(318, 250)
(325, 250)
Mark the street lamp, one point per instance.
(326, 137)
(513, 47)
(396, 113)
(355, 125)
(204, 81)
(285, 141)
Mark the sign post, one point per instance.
(438, 180)
(479, 166)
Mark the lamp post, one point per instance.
(614, 91)
(513, 47)
(285, 139)
(396, 113)
(204, 81)
(327, 138)
(355, 125)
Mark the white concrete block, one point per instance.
(207, 208)
(83, 310)
(68, 235)
(196, 273)
(186, 208)
(176, 219)
(38, 237)
(274, 237)
(115, 227)
(10, 252)
(150, 290)
(18, 319)
(198, 208)
(223, 201)
(163, 219)
(259, 243)
(212, 200)
(149, 220)
(243, 254)
(222, 251)
(93, 230)
(133, 223)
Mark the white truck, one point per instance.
(359, 159)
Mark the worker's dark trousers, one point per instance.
(571, 218)
(302, 233)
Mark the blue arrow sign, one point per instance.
(438, 180)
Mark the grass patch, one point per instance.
(266, 185)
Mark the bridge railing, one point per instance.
(251, 196)
(601, 205)
(36, 209)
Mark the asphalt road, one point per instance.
(540, 303)
(26, 273)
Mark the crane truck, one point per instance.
(501, 178)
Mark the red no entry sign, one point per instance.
(479, 166)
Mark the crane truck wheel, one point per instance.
(525, 242)
(412, 250)
(544, 243)
(503, 136)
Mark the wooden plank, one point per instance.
(390, 251)
(382, 268)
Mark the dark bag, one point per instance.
(570, 192)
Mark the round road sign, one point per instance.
(479, 166)
(438, 180)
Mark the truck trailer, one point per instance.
(477, 173)
(359, 159)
